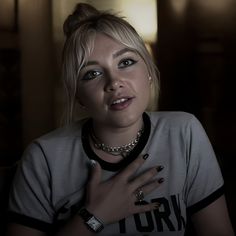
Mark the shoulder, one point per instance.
(68, 131)
(179, 124)
(172, 118)
(57, 143)
(62, 134)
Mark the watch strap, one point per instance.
(92, 222)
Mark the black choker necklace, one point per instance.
(123, 150)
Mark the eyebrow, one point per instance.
(115, 55)
(122, 51)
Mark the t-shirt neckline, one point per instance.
(124, 162)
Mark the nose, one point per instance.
(113, 84)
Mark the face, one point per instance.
(114, 85)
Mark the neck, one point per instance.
(117, 136)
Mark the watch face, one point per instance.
(94, 224)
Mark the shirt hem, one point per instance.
(17, 218)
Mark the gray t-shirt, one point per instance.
(50, 181)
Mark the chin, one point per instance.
(126, 119)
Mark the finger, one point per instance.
(148, 188)
(96, 173)
(146, 177)
(134, 166)
(145, 207)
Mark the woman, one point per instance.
(122, 170)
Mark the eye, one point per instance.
(91, 75)
(126, 62)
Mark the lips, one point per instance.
(120, 103)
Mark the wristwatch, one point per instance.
(91, 221)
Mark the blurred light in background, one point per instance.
(179, 6)
(215, 5)
(212, 7)
(142, 14)
(7, 15)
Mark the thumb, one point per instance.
(96, 173)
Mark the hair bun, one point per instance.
(81, 12)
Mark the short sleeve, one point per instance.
(29, 202)
(204, 182)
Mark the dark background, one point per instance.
(195, 53)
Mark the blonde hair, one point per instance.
(80, 29)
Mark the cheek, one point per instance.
(88, 96)
(83, 96)
(143, 77)
(144, 84)
(145, 89)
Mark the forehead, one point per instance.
(104, 45)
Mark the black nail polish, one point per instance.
(161, 180)
(145, 156)
(159, 168)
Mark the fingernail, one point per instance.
(145, 156)
(161, 180)
(93, 163)
(159, 168)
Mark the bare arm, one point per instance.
(110, 201)
(213, 220)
